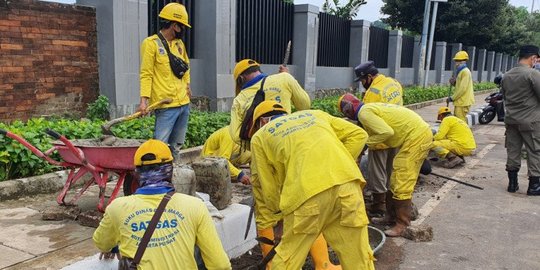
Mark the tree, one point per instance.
(489, 24)
(348, 11)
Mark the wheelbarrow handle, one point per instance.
(3, 132)
(76, 151)
(53, 134)
(30, 147)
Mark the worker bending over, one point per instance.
(453, 140)
(185, 221)
(379, 88)
(220, 144)
(393, 126)
(294, 179)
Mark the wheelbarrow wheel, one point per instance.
(130, 184)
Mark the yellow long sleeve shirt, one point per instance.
(297, 156)
(184, 224)
(385, 90)
(464, 92)
(220, 144)
(390, 124)
(281, 87)
(455, 129)
(157, 79)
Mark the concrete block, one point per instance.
(231, 230)
(213, 178)
(420, 233)
(58, 212)
(184, 179)
(90, 218)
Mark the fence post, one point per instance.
(481, 65)
(416, 61)
(498, 63)
(471, 51)
(456, 47)
(394, 52)
(440, 61)
(489, 64)
(359, 44)
(306, 32)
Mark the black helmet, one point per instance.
(498, 79)
(364, 69)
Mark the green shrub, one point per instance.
(99, 109)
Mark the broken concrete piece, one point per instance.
(59, 212)
(414, 212)
(90, 218)
(213, 177)
(184, 179)
(420, 233)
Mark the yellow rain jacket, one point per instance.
(297, 156)
(220, 144)
(395, 126)
(157, 79)
(463, 93)
(184, 224)
(281, 87)
(385, 90)
(458, 132)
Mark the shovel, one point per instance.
(106, 128)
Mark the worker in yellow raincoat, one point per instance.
(304, 172)
(393, 126)
(185, 222)
(379, 88)
(453, 140)
(281, 87)
(220, 144)
(463, 97)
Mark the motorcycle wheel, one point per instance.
(486, 117)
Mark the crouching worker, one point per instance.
(221, 144)
(453, 140)
(393, 126)
(304, 172)
(184, 222)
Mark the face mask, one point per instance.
(179, 35)
(367, 83)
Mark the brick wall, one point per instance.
(48, 59)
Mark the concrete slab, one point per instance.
(10, 256)
(231, 230)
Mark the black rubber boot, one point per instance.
(513, 181)
(534, 186)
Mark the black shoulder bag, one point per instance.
(179, 67)
(248, 118)
(131, 264)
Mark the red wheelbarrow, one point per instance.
(98, 161)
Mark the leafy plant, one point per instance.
(99, 109)
(347, 11)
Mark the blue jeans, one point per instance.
(171, 126)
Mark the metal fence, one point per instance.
(407, 49)
(476, 59)
(432, 60)
(155, 6)
(334, 39)
(378, 46)
(449, 58)
(263, 29)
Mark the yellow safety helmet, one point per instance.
(442, 112)
(152, 152)
(175, 12)
(240, 68)
(461, 56)
(264, 108)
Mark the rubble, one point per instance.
(59, 212)
(90, 218)
(213, 178)
(420, 233)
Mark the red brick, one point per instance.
(77, 43)
(12, 69)
(11, 47)
(10, 23)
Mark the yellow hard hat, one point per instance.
(175, 12)
(152, 152)
(442, 112)
(264, 108)
(461, 56)
(241, 67)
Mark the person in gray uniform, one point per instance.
(521, 90)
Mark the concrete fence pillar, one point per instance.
(440, 61)
(490, 64)
(471, 51)
(456, 47)
(306, 33)
(416, 61)
(498, 64)
(359, 42)
(394, 52)
(481, 65)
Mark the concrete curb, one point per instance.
(420, 105)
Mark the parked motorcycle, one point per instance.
(495, 106)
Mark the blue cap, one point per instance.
(364, 69)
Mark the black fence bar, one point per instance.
(432, 60)
(263, 29)
(449, 61)
(155, 6)
(333, 43)
(407, 49)
(378, 46)
(476, 58)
